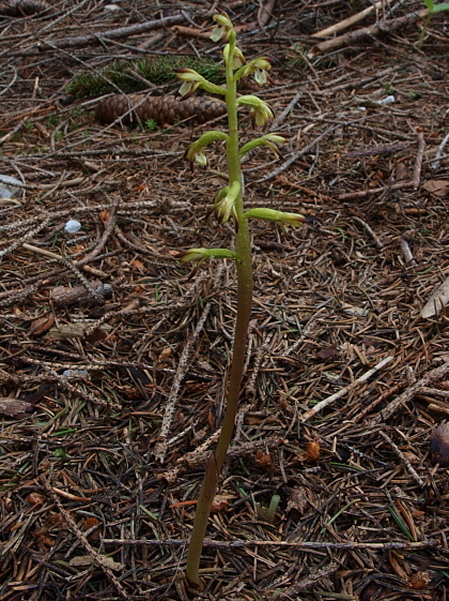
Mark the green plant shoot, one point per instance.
(229, 206)
(433, 10)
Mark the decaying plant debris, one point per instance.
(346, 381)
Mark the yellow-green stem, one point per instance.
(244, 304)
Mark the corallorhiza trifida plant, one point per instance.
(229, 206)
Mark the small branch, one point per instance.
(411, 470)
(96, 557)
(288, 109)
(295, 156)
(419, 158)
(432, 376)
(362, 193)
(323, 404)
(439, 152)
(369, 230)
(160, 449)
(109, 226)
(406, 251)
(292, 591)
(305, 545)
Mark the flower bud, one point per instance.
(198, 255)
(281, 217)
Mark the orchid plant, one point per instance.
(229, 206)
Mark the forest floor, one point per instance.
(114, 355)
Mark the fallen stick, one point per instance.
(382, 26)
(411, 470)
(305, 545)
(432, 376)
(323, 404)
(101, 37)
(97, 558)
(362, 193)
(295, 156)
(419, 158)
(342, 25)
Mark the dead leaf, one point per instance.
(104, 216)
(90, 522)
(298, 500)
(35, 498)
(138, 266)
(220, 503)
(83, 561)
(263, 460)
(402, 173)
(13, 407)
(41, 325)
(313, 450)
(327, 353)
(165, 354)
(437, 187)
(420, 580)
(437, 301)
(76, 330)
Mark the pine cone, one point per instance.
(137, 108)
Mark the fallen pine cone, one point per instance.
(138, 108)
(24, 8)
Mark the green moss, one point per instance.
(125, 76)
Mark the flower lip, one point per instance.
(191, 81)
(217, 33)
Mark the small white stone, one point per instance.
(72, 226)
(387, 100)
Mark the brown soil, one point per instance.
(113, 354)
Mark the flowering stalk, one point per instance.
(229, 203)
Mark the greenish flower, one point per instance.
(225, 201)
(258, 67)
(222, 29)
(191, 81)
(262, 113)
(195, 152)
(238, 59)
(261, 66)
